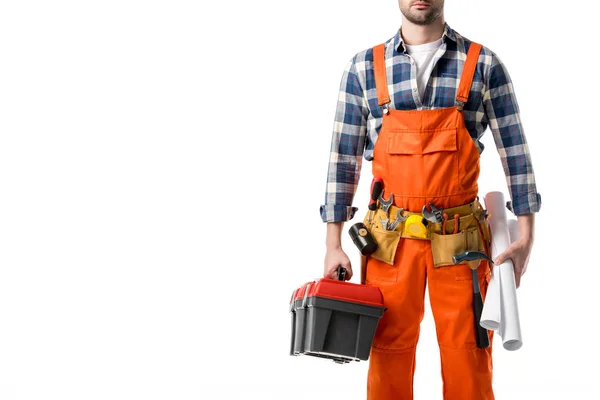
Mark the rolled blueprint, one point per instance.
(500, 310)
(513, 229)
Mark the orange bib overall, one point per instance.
(426, 156)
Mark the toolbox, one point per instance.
(335, 319)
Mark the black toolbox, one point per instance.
(335, 319)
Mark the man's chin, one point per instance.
(423, 19)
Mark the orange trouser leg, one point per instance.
(392, 359)
(466, 369)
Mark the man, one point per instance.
(416, 106)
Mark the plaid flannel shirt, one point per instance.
(358, 117)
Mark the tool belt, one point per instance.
(472, 231)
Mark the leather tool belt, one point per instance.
(470, 234)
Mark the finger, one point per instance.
(502, 257)
(332, 273)
(346, 266)
(508, 253)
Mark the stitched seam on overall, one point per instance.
(397, 351)
(463, 347)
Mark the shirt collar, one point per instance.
(399, 43)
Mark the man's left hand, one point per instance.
(518, 252)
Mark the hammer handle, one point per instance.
(483, 341)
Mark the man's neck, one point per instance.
(413, 34)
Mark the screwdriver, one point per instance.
(376, 188)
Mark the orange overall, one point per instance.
(427, 156)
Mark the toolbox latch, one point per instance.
(304, 299)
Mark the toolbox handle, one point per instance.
(341, 273)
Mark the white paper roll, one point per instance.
(500, 309)
(491, 315)
(513, 229)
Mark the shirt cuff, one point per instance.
(526, 203)
(337, 212)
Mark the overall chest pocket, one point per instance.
(425, 159)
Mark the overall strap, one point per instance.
(466, 79)
(383, 96)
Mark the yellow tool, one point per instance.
(416, 225)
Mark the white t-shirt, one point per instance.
(423, 56)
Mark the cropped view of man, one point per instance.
(416, 106)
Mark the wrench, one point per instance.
(384, 223)
(399, 218)
(386, 204)
(435, 215)
(483, 216)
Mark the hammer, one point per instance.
(481, 335)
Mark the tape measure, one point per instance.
(416, 225)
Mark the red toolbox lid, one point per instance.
(343, 291)
(299, 293)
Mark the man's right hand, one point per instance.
(334, 259)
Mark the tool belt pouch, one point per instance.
(387, 242)
(444, 247)
(485, 227)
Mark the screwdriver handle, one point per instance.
(376, 188)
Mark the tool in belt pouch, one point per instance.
(465, 229)
(383, 230)
(466, 236)
(363, 239)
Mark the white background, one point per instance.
(161, 170)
